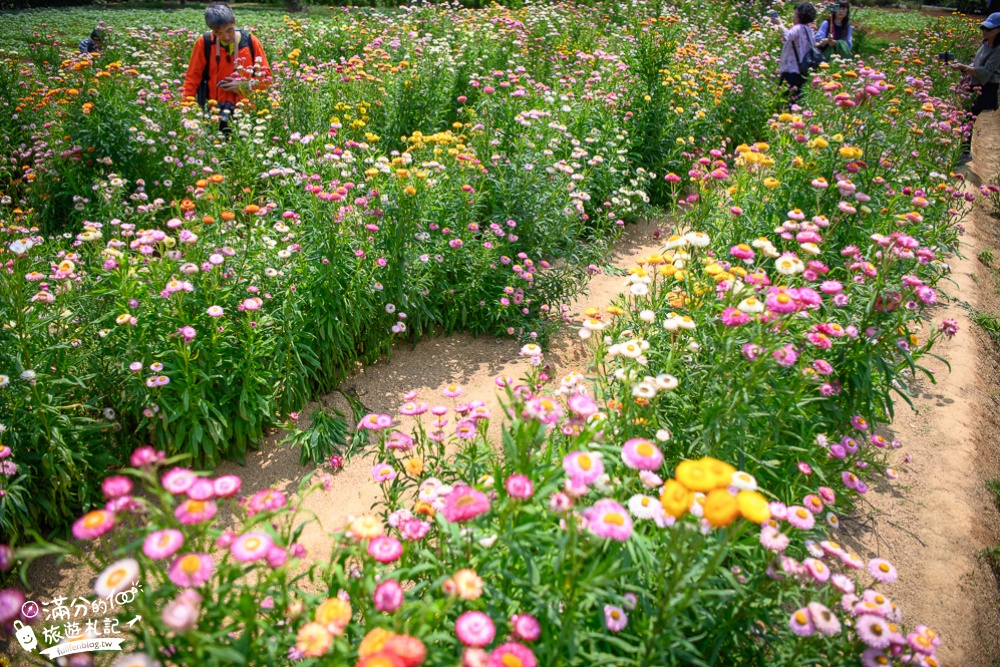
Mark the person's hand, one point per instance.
(961, 67)
(231, 85)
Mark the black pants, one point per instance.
(794, 82)
(987, 100)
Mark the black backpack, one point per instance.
(207, 40)
(813, 57)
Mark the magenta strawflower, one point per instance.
(882, 570)
(116, 486)
(465, 503)
(413, 408)
(582, 405)
(11, 601)
(525, 627)
(145, 456)
(520, 487)
(874, 657)
(615, 618)
(801, 623)
(93, 524)
(465, 429)
(474, 628)
(202, 489)
(773, 539)
(452, 391)
(251, 546)
(641, 454)
(817, 569)
(385, 549)
(607, 518)
(191, 570)
(512, 654)
(163, 543)
(195, 511)
(399, 442)
(388, 596)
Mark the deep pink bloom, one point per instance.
(465, 503)
(607, 518)
(388, 596)
(522, 655)
(474, 628)
(525, 627)
(93, 524)
(191, 570)
(163, 543)
(519, 486)
(385, 549)
(641, 454)
(115, 486)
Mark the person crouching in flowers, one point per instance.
(836, 34)
(226, 64)
(985, 72)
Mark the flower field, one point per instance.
(171, 295)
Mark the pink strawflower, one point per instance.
(388, 596)
(801, 623)
(882, 570)
(615, 618)
(817, 569)
(399, 442)
(227, 486)
(181, 614)
(582, 405)
(383, 472)
(163, 543)
(474, 628)
(414, 529)
(773, 539)
(116, 486)
(874, 657)
(251, 546)
(873, 630)
(385, 549)
(178, 480)
(607, 518)
(191, 570)
(801, 518)
(93, 524)
(512, 653)
(641, 454)
(525, 627)
(195, 511)
(452, 391)
(583, 467)
(146, 456)
(465, 503)
(267, 500)
(277, 556)
(202, 489)
(733, 317)
(519, 486)
(826, 621)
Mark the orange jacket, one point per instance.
(221, 66)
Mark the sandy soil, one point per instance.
(934, 521)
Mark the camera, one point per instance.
(946, 57)
(773, 14)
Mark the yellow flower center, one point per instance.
(190, 564)
(801, 618)
(645, 501)
(511, 660)
(884, 567)
(252, 543)
(94, 519)
(585, 462)
(644, 449)
(195, 506)
(116, 577)
(801, 513)
(614, 518)
(783, 298)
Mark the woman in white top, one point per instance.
(798, 41)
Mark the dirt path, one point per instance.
(935, 520)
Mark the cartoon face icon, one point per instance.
(25, 636)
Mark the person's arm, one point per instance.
(984, 73)
(195, 69)
(850, 36)
(823, 32)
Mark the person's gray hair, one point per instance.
(218, 16)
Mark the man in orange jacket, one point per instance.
(226, 63)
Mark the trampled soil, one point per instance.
(932, 523)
